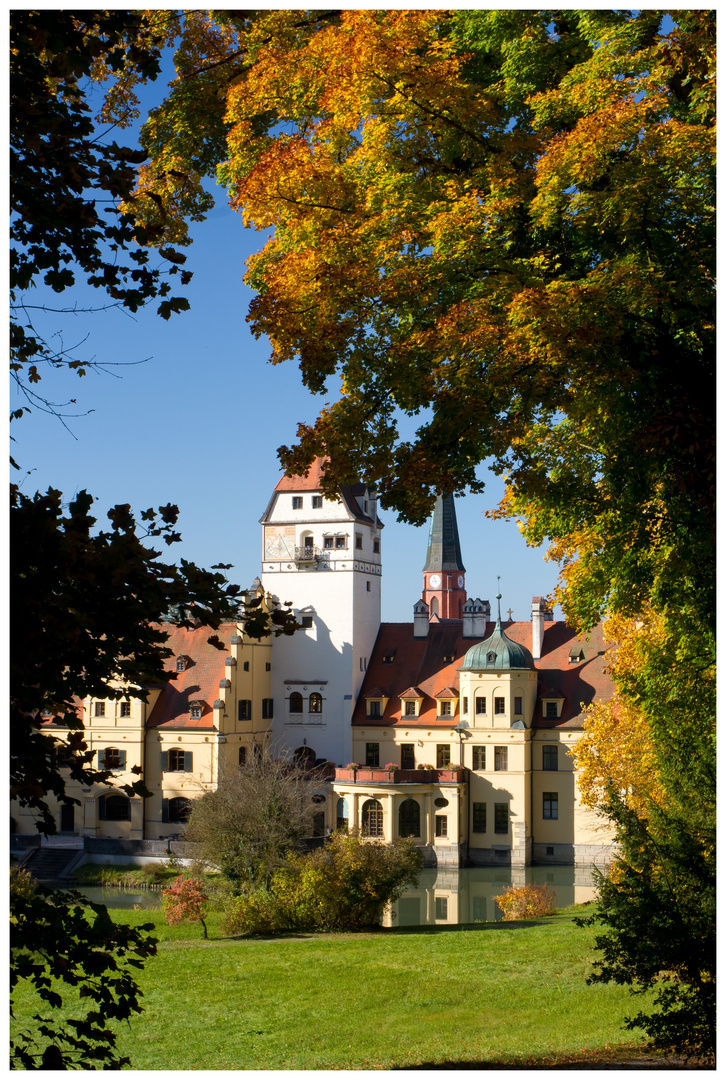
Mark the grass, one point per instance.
(507, 994)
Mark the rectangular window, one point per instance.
(244, 710)
(479, 823)
(317, 502)
(443, 756)
(246, 666)
(376, 547)
(388, 659)
(551, 712)
(501, 817)
(125, 708)
(465, 706)
(410, 708)
(267, 708)
(374, 708)
(445, 708)
(549, 805)
(549, 758)
(368, 586)
(100, 709)
(479, 908)
(358, 542)
(328, 542)
(372, 754)
(518, 706)
(341, 541)
(297, 502)
(195, 712)
(442, 826)
(442, 905)
(307, 622)
(408, 756)
(176, 761)
(268, 666)
(479, 754)
(481, 706)
(500, 759)
(499, 706)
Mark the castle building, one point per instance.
(453, 729)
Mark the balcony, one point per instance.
(366, 775)
(310, 556)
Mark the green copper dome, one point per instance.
(497, 653)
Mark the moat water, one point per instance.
(442, 897)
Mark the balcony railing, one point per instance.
(309, 556)
(367, 775)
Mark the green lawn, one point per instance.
(491, 993)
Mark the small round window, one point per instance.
(318, 799)
(441, 802)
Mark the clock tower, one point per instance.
(443, 585)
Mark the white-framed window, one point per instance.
(479, 758)
(317, 502)
(297, 502)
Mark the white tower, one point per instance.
(325, 556)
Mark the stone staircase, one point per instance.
(50, 863)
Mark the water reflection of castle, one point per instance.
(447, 896)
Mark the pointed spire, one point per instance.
(444, 552)
(499, 608)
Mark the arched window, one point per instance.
(434, 606)
(372, 823)
(304, 756)
(114, 808)
(342, 815)
(409, 818)
(242, 756)
(296, 702)
(316, 703)
(179, 810)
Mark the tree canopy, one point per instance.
(502, 224)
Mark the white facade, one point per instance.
(323, 555)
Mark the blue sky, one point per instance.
(199, 422)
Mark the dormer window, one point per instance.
(576, 654)
(450, 658)
(182, 663)
(389, 658)
(491, 657)
(446, 701)
(411, 702)
(552, 702)
(376, 701)
(195, 711)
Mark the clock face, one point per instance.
(461, 582)
(434, 581)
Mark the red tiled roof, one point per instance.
(311, 482)
(419, 663)
(200, 681)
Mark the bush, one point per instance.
(526, 902)
(185, 900)
(344, 886)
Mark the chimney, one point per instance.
(420, 619)
(475, 618)
(538, 617)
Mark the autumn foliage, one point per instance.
(526, 902)
(186, 900)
